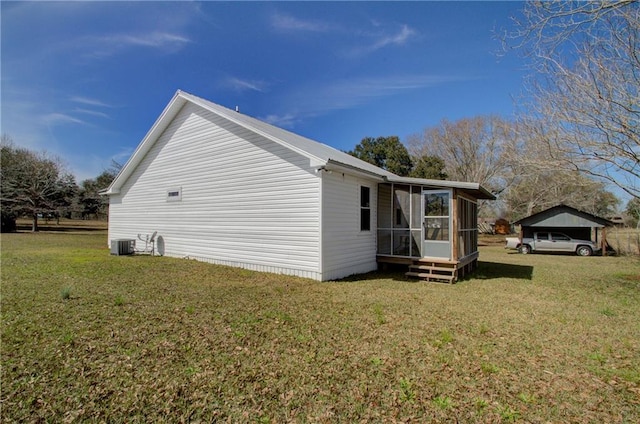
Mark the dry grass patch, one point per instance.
(92, 337)
(625, 241)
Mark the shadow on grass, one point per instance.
(393, 272)
(485, 271)
(491, 270)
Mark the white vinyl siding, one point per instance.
(346, 249)
(244, 200)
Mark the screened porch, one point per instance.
(418, 222)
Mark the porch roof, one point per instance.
(473, 189)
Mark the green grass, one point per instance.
(531, 338)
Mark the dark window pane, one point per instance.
(365, 219)
(364, 197)
(436, 204)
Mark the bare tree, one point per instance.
(585, 88)
(471, 148)
(537, 179)
(538, 191)
(32, 183)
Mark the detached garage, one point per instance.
(565, 219)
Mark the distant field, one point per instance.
(531, 338)
(626, 241)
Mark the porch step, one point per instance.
(432, 277)
(429, 270)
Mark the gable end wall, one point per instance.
(245, 200)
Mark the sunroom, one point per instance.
(430, 225)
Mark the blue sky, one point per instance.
(86, 81)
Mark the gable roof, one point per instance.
(319, 154)
(563, 216)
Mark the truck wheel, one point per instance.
(584, 251)
(525, 249)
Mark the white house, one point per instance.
(225, 188)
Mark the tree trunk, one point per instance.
(34, 225)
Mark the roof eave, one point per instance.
(163, 121)
(475, 188)
(333, 165)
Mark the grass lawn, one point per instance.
(534, 338)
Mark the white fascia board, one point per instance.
(348, 169)
(317, 163)
(148, 141)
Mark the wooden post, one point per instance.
(453, 232)
(604, 241)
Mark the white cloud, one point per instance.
(92, 113)
(399, 38)
(108, 45)
(321, 99)
(88, 101)
(349, 93)
(60, 119)
(285, 121)
(244, 85)
(284, 22)
(152, 39)
(370, 38)
(382, 38)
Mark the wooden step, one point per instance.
(431, 277)
(432, 268)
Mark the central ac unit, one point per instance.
(123, 247)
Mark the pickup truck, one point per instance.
(551, 242)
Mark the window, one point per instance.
(436, 216)
(174, 194)
(365, 208)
